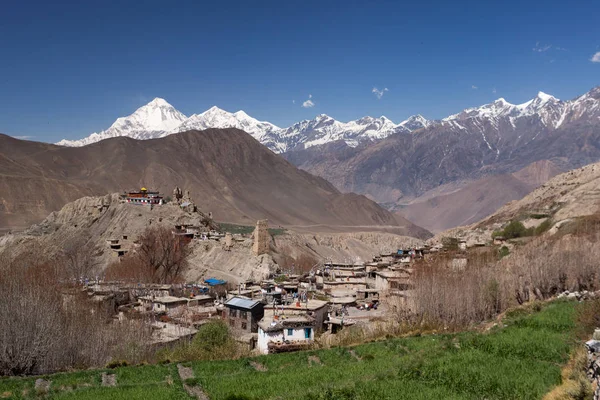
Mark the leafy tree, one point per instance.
(514, 229)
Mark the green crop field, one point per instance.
(247, 230)
(520, 360)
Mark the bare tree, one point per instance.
(47, 326)
(161, 257)
(28, 309)
(80, 256)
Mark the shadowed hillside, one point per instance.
(226, 170)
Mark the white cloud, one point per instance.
(379, 93)
(541, 48)
(474, 87)
(595, 58)
(24, 137)
(560, 48)
(308, 103)
(293, 101)
(494, 90)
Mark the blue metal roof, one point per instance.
(214, 281)
(242, 302)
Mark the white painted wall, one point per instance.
(297, 334)
(265, 337)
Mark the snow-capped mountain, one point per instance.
(215, 117)
(324, 129)
(495, 138)
(497, 123)
(509, 127)
(155, 119)
(549, 109)
(415, 123)
(158, 118)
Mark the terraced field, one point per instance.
(521, 359)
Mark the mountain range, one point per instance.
(418, 167)
(451, 155)
(159, 119)
(226, 171)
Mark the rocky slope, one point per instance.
(476, 200)
(92, 221)
(563, 198)
(227, 172)
(495, 139)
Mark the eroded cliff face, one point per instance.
(95, 221)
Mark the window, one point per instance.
(244, 325)
(243, 314)
(290, 332)
(232, 322)
(307, 332)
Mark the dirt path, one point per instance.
(194, 391)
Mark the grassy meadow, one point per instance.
(519, 359)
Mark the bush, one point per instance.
(116, 364)
(450, 243)
(543, 227)
(212, 342)
(503, 252)
(514, 229)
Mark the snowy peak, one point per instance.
(215, 117)
(152, 120)
(540, 104)
(158, 102)
(545, 97)
(158, 118)
(415, 123)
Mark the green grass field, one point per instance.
(247, 230)
(520, 360)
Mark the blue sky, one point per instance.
(71, 68)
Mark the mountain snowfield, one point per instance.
(159, 118)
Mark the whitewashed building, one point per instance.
(285, 333)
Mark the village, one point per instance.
(280, 313)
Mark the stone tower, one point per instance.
(261, 238)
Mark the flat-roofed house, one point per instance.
(167, 304)
(388, 280)
(243, 314)
(285, 333)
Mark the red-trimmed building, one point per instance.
(144, 197)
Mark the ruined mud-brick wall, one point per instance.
(261, 238)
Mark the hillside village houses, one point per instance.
(269, 315)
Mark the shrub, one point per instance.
(503, 252)
(116, 364)
(212, 342)
(450, 243)
(543, 227)
(514, 229)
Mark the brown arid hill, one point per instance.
(476, 200)
(89, 223)
(562, 200)
(226, 171)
